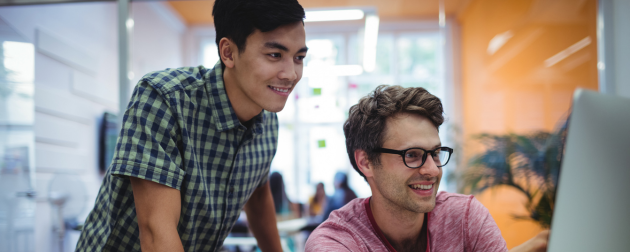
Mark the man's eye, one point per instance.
(275, 55)
(300, 58)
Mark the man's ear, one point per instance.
(363, 163)
(227, 51)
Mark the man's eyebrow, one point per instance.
(276, 45)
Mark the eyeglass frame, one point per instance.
(424, 156)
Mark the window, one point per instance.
(311, 145)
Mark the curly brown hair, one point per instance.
(365, 127)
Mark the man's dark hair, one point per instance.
(237, 19)
(365, 127)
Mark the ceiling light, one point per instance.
(333, 15)
(498, 41)
(566, 52)
(369, 43)
(129, 23)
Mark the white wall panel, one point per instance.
(62, 103)
(76, 80)
(92, 88)
(66, 52)
(156, 44)
(90, 25)
(60, 131)
(56, 159)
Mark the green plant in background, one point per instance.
(528, 163)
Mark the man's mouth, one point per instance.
(421, 187)
(281, 90)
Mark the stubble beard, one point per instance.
(400, 196)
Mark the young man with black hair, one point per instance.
(196, 143)
(393, 142)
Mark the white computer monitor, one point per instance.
(592, 209)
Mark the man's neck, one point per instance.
(401, 227)
(243, 106)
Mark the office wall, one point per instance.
(157, 40)
(620, 36)
(76, 80)
(521, 62)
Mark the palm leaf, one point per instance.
(528, 163)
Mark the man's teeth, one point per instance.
(284, 90)
(422, 187)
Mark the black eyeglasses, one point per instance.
(415, 157)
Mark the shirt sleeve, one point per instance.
(483, 233)
(325, 239)
(147, 145)
(265, 177)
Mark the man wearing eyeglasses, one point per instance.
(392, 141)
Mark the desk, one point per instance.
(285, 228)
(290, 226)
(251, 241)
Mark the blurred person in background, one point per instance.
(196, 143)
(285, 209)
(343, 194)
(317, 202)
(317, 205)
(392, 141)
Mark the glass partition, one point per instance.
(17, 204)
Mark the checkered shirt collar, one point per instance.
(222, 112)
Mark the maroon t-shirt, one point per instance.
(457, 223)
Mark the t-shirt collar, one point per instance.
(380, 234)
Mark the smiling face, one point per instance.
(401, 187)
(263, 75)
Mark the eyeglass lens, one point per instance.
(413, 157)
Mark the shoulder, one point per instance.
(175, 79)
(345, 227)
(465, 222)
(452, 200)
(455, 203)
(330, 237)
(349, 214)
(454, 209)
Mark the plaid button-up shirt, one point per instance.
(180, 130)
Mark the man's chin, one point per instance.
(426, 207)
(275, 108)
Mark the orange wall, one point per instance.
(512, 90)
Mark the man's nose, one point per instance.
(288, 70)
(429, 168)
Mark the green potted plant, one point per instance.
(529, 163)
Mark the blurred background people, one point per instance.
(343, 194)
(317, 202)
(504, 70)
(285, 209)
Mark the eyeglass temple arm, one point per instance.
(384, 150)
